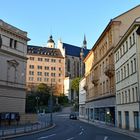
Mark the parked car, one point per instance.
(73, 116)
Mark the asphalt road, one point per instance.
(67, 129)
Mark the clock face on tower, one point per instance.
(0, 41)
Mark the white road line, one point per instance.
(105, 138)
(80, 133)
(70, 138)
(46, 136)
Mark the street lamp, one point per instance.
(37, 99)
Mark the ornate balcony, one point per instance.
(94, 80)
(109, 70)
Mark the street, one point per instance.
(67, 129)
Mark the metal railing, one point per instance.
(23, 129)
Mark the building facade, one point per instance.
(13, 50)
(82, 98)
(100, 95)
(74, 66)
(45, 65)
(127, 64)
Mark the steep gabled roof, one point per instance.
(74, 50)
(51, 52)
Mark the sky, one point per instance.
(67, 20)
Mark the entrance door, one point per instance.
(120, 119)
(126, 119)
(136, 121)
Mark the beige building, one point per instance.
(100, 102)
(13, 49)
(127, 71)
(45, 65)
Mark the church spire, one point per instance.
(84, 42)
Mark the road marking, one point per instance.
(80, 133)
(105, 138)
(46, 137)
(70, 138)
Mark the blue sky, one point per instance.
(65, 19)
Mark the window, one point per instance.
(59, 60)
(120, 52)
(137, 97)
(121, 74)
(31, 78)
(133, 38)
(31, 58)
(129, 96)
(130, 39)
(46, 79)
(128, 69)
(46, 74)
(124, 72)
(39, 73)
(39, 59)
(132, 70)
(123, 49)
(68, 66)
(39, 79)
(31, 66)
(11, 43)
(31, 72)
(126, 100)
(15, 44)
(46, 60)
(46, 68)
(134, 64)
(133, 99)
(126, 46)
(53, 60)
(39, 67)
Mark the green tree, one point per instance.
(75, 87)
(40, 98)
(75, 84)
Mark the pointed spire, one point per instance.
(84, 42)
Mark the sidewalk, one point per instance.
(135, 135)
(7, 133)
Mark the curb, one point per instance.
(28, 133)
(121, 132)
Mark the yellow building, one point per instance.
(100, 99)
(45, 65)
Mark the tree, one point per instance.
(75, 84)
(43, 94)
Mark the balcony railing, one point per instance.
(109, 70)
(94, 80)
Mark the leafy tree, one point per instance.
(75, 84)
